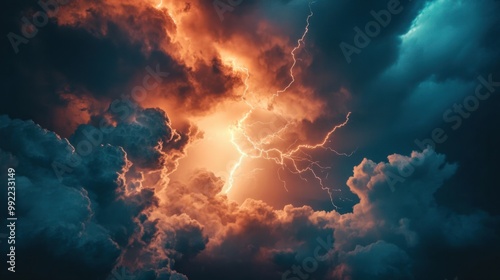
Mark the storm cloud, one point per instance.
(100, 108)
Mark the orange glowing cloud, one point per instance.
(241, 84)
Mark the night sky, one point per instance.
(251, 139)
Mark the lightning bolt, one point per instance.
(290, 159)
(300, 42)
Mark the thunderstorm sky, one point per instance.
(251, 139)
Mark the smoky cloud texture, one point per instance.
(95, 195)
(95, 224)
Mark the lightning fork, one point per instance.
(290, 159)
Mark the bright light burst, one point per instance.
(290, 158)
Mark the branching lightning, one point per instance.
(295, 160)
(300, 42)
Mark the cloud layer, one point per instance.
(83, 120)
(93, 221)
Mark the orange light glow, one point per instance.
(241, 130)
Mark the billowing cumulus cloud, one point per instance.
(397, 217)
(84, 123)
(382, 238)
(78, 209)
(93, 226)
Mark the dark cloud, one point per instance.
(100, 201)
(391, 233)
(193, 229)
(56, 223)
(423, 62)
(77, 209)
(89, 55)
